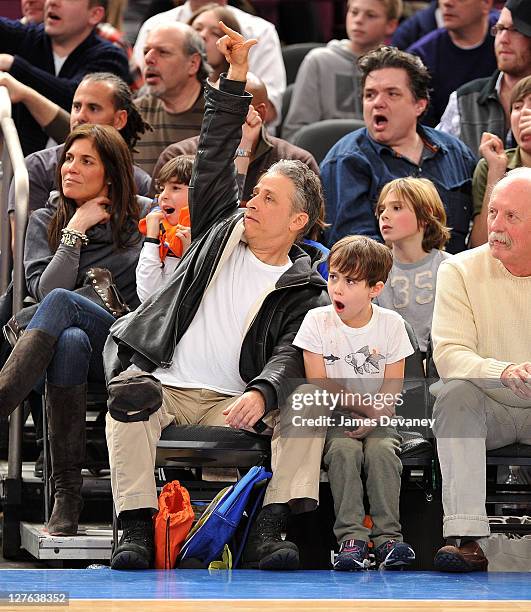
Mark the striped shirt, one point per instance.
(167, 128)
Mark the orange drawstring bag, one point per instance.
(172, 524)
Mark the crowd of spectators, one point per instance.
(225, 262)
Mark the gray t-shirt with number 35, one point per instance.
(410, 291)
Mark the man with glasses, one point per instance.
(483, 105)
(459, 52)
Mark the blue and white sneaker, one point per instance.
(353, 555)
(393, 555)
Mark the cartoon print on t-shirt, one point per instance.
(363, 361)
(330, 359)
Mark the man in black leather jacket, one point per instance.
(224, 355)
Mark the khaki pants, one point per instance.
(295, 460)
(467, 423)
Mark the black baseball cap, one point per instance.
(521, 14)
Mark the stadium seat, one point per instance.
(199, 445)
(293, 56)
(286, 101)
(318, 138)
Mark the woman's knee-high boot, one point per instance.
(24, 368)
(66, 409)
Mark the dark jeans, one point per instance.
(81, 328)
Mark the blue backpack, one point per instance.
(218, 524)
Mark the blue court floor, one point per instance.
(103, 583)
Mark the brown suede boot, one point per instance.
(66, 409)
(25, 366)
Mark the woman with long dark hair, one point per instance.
(91, 222)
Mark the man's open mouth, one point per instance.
(168, 210)
(53, 17)
(380, 121)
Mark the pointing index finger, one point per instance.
(230, 32)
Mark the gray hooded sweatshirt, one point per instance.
(327, 87)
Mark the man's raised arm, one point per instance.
(213, 193)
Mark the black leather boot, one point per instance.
(265, 548)
(26, 364)
(66, 408)
(136, 549)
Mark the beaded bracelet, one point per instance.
(69, 237)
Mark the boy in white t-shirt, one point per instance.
(363, 347)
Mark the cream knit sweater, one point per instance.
(481, 322)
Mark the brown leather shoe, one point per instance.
(466, 558)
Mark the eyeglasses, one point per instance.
(498, 29)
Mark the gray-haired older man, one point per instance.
(219, 335)
(482, 350)
(175, 71)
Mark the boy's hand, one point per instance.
(153, 220)
(235, 49)
(492, 149)
(185, 234)
(525, 123)
(362, 432)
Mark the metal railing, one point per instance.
(13, 166)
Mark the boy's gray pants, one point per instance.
(378, 456)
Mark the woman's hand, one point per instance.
(89, 214)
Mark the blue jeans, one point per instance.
(81, 328)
